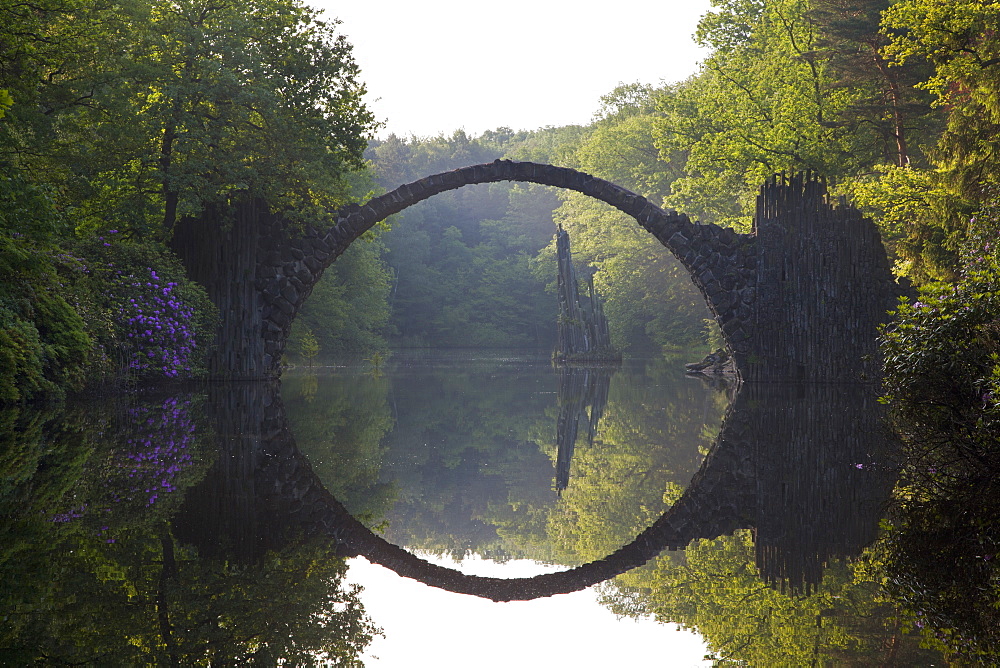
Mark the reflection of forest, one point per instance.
(154, 533)
(473, 463)
(797, 589)
(132, 536)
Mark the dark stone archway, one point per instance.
(800, 298)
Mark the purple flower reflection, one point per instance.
(145, 468)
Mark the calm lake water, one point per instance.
(208, 525)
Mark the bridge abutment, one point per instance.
(823, 287)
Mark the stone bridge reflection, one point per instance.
(804, 466)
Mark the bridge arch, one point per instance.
(799, 299)
(720, 261)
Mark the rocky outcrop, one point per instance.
(716, 363)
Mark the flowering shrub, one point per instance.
(140, 464)
(942, 364)
(150, 321)
(156, 452)
(160, 328)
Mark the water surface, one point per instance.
(212, 524)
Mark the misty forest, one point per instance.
(170, 173)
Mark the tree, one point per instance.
(348, 310)
(462, 262)
(766, 101)
(958, 40)
(897, 113)
(210, 126)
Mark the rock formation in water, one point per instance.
(582, 328)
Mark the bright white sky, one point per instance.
(436, 66)
(425, 626)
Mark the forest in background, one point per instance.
(102, 152)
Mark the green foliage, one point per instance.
(310, 345)
(942, 384)
(348, 310)
(28, 209)
(715, 588)
(958, 41)
(649, 298)
(764, 103)
(144, 111)
(96, 577)
(462, 262)
(898, 197)
(21, 373)
(889, 108)
(942, 354)
(134, 114)
(957, 38)
(476, 267)
(46, 348)
(132, 291)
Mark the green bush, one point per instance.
(148, 320)
(44, 347)
(942, 384)
(21, 373)
(102, 311)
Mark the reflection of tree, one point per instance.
(718, 590)
(654, 433)
(941, 561)
(474, 461)
(463, 454)
(943, 388)
(109, 582)
(339, 424)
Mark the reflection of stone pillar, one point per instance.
(222, 515)
(261, 492)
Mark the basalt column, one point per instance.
(823, 288)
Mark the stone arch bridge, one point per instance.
(798, 299)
